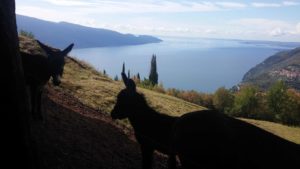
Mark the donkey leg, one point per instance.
(39, 107)
(172, 161)
(147, 157)
(33, 101)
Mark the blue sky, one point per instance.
(276, 20)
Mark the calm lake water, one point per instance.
(184, 63)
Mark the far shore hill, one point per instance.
(63, 33)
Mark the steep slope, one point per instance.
(284, 66)
(63, 33)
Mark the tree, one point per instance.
(246, 103)
(128, 75)
(116, 78)
(292, 115)
(277, 99)
(104, 72)
(123, 68)
(138, 77)
(153, 76)
(223, 100)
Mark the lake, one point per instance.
(197, 64)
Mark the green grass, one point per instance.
(99, 92)
(287, 132)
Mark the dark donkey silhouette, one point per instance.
(209, 139)
(202, 139)
(38, 69)
(152, 130)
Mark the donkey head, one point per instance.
(127, 100)
(56, 61)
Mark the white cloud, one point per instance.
(298, 28)
(260, 23)
(290, 3)
(277, 32)
(261, 5)
(267, 27)
(282, 4)
(137, 6)
(231, 5)
(69, 2)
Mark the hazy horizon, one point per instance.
(270, 20)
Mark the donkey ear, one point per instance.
(67, 50)
(129, 83)
(125, 79)
(44, 47)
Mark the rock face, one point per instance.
(283, 66)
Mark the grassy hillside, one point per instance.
(100, 92)
(288, 132)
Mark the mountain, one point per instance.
(61, 34)
(283, 65)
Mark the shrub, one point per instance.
(27, 34)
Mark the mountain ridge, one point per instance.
(60, 34)
(284, 65)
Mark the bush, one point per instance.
(27, 34)
(223, 100)
(246, 103)
(277, 100)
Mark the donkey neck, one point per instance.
(143, 117)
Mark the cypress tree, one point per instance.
(116, 78)
(153, 76)
(128, 74)
(123, 68)
(138, 76)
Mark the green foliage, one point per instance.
(292, 115)
(223, 100)
(146, 83)
(246, 103)
(153, 76)
(27, 34)
(277, 100)
(202, 99)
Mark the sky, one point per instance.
(274, 20)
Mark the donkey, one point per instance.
(38, 69)
(209, 139)
(152, 130)
(202, 139)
